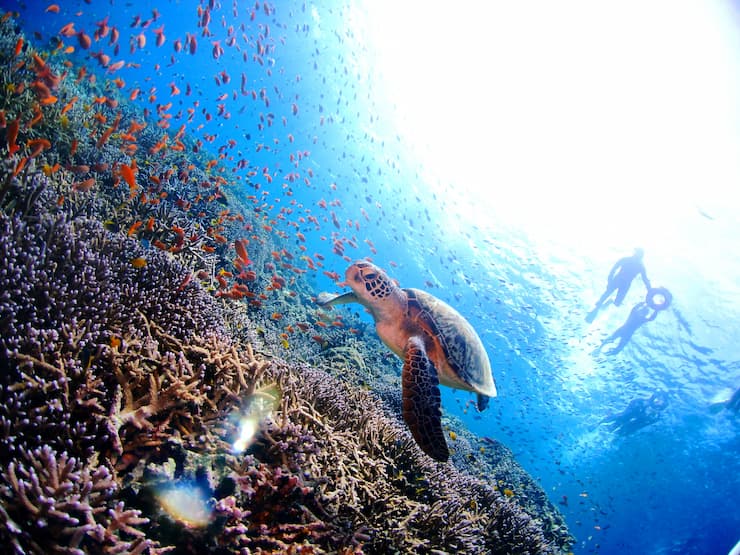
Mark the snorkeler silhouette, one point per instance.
(639, 314)
(620, 278)
(638, 414)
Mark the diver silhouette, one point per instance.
(639, 413)
(620, 278)
(639, 314)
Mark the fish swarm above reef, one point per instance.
(121, 373)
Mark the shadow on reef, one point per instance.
(126, 369)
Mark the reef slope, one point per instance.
(127, 369)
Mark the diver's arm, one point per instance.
(645, 279)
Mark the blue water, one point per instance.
(672, 487)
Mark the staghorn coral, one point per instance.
(379, 480)
(331, 472)
(53, 503)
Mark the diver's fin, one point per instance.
(331, 299)
(482, 402)
(422, 401)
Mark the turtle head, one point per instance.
(371, 284)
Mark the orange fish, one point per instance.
(68, 30)
(134, 228)
(108, 132)
(50, 170)
(128, 175)
(185, 281)
(116, 66)
(37, 146)
(19, 166)
(160, 35)
(52, 8)
(68, 106)
(84, 40)
(11, 135)
(241, 251)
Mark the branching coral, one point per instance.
(53, 503)
(373, 477)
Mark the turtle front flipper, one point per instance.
(421, 400)
(331, 299)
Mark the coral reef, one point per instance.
(133, 347)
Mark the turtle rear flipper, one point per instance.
(422, 401)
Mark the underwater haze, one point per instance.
(503, 157)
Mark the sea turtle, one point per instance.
(436, 343)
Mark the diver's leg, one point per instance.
(622, 342)
(621, 294)
(591, 316)
(610, 287)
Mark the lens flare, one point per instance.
(257, 408)
(185, 503)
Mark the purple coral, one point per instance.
(50, 499)
(73, 310)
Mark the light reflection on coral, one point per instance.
(256, 409)
(185, 503)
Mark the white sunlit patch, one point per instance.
(721, 396)
(248, 427)
(185, 503)
(550, 118)
(256, 409)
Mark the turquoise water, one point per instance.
(516, 225)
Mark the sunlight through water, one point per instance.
(597, 123)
